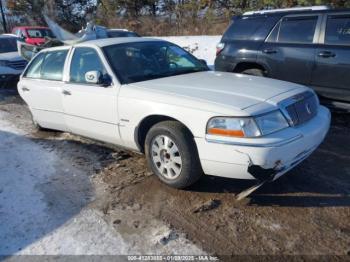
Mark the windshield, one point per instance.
(8, 45)
(141, 61)
(39, 33)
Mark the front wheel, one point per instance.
(172, 154)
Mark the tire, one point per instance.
(172, 155)
(254, 72)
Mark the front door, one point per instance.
(90, 110)
(289, 51)
(331, 77)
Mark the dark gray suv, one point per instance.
(307, 46)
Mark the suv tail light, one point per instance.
(219, 47)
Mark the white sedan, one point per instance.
(153, 97)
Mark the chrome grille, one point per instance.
(18, 65)
(300, 108)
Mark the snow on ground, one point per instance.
(203, 47)
(39, 215)
(44, 206)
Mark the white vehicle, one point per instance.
(153, 97)
(11, 64)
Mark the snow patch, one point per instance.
(203, 46)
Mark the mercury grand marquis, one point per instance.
(154, 97)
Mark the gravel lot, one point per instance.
(306, 212)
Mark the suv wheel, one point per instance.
(253, 72)
(172, 154)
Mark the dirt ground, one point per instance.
(306, 212)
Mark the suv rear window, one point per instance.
(244, 28)
(298, 30)
(338, 30)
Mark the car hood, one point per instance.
(12, 56)
(222, 89)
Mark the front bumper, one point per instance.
(263, 158)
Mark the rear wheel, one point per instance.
(172, 154)
(253, 72)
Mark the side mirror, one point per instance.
(93, 77)
(97, 78)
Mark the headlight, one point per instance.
(3, 62)
(247, 126)
(271, 122)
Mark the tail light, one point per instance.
(219, 47)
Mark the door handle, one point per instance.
(326, 54)
(66, 93)
(269, 51)
(25, 89)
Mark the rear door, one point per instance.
(289, 50)
(331, 77)
(41, 88)
(90, 110)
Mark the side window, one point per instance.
(244, 28)
(84, 60)
(178, 57)
(274, 33)
(299, 30)
(53, 64)
(338, 30)
(34, 68)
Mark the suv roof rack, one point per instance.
(307, 8)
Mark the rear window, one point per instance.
(34, 68)
(244, 28)
(48, 66)
(338, 30)
(52, 67)
(39, 33)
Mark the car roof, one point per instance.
(292, 12)
(105, 42)
(118, 40)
